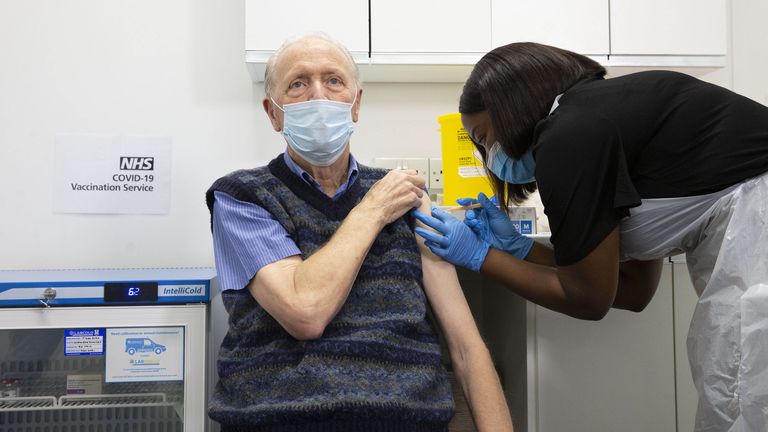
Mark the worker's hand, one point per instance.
(494, 226)
(453, 241)
(393, 195)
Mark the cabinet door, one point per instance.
(430, 26)
(616, 374)
(661, 27)
(576, 26)
(268, 24)
(685, 304)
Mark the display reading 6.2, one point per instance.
(129, 292)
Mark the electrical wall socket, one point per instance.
(430, 168)
(435, 174)
(387, 163)
(421, 165)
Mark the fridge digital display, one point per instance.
(129, 292)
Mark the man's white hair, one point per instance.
(269, 80)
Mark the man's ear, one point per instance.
(272, 112)
(356, 106)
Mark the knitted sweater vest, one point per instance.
(376, 367)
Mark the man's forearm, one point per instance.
(326, 277)
(323, 280)
(305, 295)
(481, 386)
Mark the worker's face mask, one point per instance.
(318, 130)
(515, 171)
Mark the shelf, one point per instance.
(90, 413)
(392, 67)
(37, 403)
(456, 67)
(27, 403)
(112, 400)
(665, 61)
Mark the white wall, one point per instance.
(749, 50)
(175, 68)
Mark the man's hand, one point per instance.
(391, 197)
(305, 295)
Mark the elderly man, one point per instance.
(325, 284)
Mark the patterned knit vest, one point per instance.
(377, 366)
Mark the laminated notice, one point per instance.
(84, 384)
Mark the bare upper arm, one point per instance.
(443, 290)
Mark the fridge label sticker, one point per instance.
(112, 174)
(83, 384)
(84, 342)
(144, 354)
(181, 290)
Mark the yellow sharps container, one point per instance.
(463, 173)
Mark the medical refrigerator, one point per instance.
(113, 350)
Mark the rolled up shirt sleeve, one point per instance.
(245, 238)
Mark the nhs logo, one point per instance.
(137, 163)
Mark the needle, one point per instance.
(466, 207)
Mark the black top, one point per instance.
(654, 134)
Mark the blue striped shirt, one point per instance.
(246, 237)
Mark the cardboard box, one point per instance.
(524, 219)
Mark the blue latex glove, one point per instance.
(493, 226)
(453, 241)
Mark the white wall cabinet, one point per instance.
(628, 372)
(676, 28)
(685, 303)
(269, 24)
(440, 41)
(576, 26)
(428, 40)
(616, 374)
(620, 32)
(430, 26)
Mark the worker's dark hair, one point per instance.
(517, 84)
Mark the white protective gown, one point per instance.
(725, 238)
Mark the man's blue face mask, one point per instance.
(318, 130)
(515, 171)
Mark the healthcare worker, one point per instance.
(630, 170)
